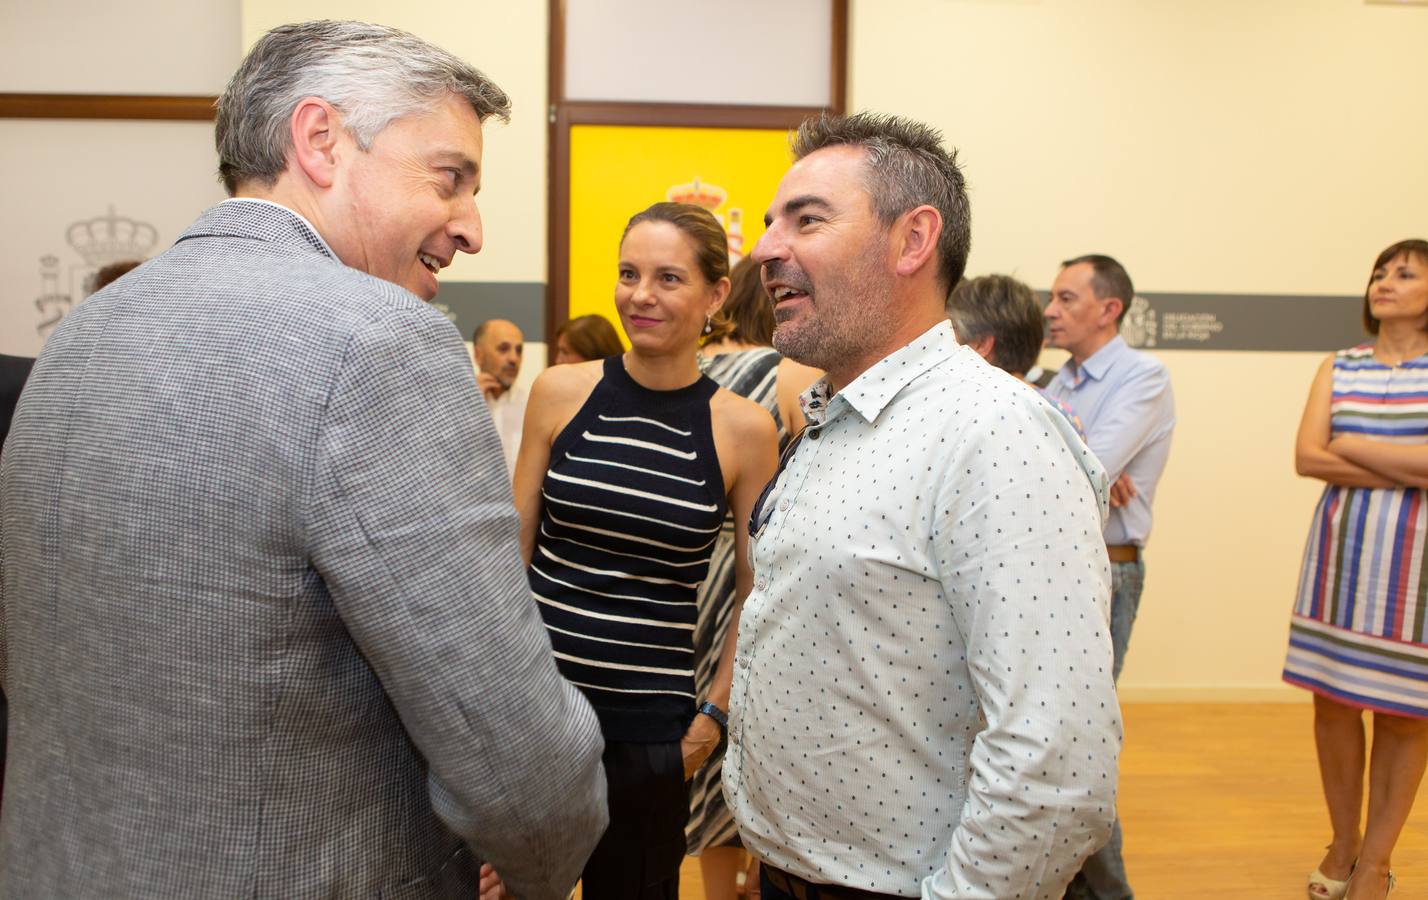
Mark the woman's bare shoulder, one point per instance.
(557, 382)
(742, 416)
(558, 394)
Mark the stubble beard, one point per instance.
(501, 380)
(839, 327)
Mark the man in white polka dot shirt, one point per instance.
(923, 702)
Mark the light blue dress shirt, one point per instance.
(922, 700)
(1125, 403)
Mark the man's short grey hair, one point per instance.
(907, 167)
(999, 306)
(372, 74)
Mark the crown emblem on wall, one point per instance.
(1139, 327)
(111, 238)
(52, 305)
(705, 195)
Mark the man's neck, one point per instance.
(1091, 346)
(291, 195)
(913, 325)
(276, 193)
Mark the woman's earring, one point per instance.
(708, 324)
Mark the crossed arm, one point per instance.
(1350, 460)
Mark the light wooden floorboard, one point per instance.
(1222, 801)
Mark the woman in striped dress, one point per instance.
(738, 356)
(627, 468)
(1359, 635)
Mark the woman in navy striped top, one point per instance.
(627, 468)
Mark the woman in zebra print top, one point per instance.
(627, 468)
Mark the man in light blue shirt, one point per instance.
(1127, 408)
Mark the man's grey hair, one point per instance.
(999, 306)
(372, 74)
(907, 167)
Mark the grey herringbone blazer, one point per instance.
(263, 621)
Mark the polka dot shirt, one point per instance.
(922, 701)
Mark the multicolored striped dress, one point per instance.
(1359, 634)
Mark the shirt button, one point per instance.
(743, 662)
(760, 584)
(783, 506)
(813, 434)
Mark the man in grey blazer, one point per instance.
(263, 621)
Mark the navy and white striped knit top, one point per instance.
(633, 502)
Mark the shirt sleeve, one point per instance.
(1023, 565)
(412, 527)
(1141, 409)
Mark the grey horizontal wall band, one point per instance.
(1246, 322)
(469, 303)
(1262, 322)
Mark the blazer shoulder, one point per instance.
(267, 251)
(305, 283)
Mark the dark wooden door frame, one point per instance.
(163, 107)
(563, 114)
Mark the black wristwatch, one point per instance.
(717, 714)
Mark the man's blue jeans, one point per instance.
(1127, 580)
(1103, 876)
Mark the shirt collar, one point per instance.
(870, 393)
(1099, 363)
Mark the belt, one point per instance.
(1123, 552)
(808, 890)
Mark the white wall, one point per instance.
(726, 61)
(1217, 145)
(134, 47)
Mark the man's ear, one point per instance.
(1112, 311)
(918, 233)
(316, 128)
(984, 347)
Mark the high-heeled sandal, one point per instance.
(1327, 888)
(1392, 885)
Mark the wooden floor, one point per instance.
(1223, 802)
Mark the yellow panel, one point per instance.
(616, 171)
